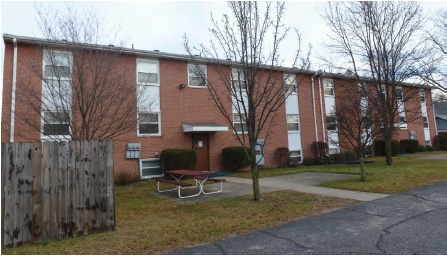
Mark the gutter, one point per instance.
(321, 108)
(313, 106)
(13, 91)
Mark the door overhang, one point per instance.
(204, 127)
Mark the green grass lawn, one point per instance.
(148, 224)
(406, 173)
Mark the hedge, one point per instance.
(177, 159)
(379, 147)
(282, 157)
(441, 141)
(235, 158)
(409, 146)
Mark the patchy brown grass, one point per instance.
(148, 224)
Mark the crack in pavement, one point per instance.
(287, 239)
(387, 232)
(423, 198)
(373, 214)
(220, 248)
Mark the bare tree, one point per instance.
(356, 120)
(245, 55)
(382, 41)
(88, 91)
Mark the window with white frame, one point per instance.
(238, 79)
(425, 121)
(239, 122)
(399, 93)
(293, 122)
(150, 167)
(290, 83)
(328, 85)
(148, 97)
(56, 94)
(422, 95)
(197, 75)
(331, 123)
(382, 91)
(295, 156)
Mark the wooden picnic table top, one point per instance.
(190, 173)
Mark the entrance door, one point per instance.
(200, 145)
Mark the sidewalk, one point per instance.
(302, 182)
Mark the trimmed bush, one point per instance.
(235, 158)
(309, 161)
(337, 157)
(349, 156)
(429, 148)
(441, 141)
(379, 147)
(319, 149)
(177, 159)
(282, 157)
(421, 148)
(409, 146)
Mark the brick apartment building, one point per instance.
(185, 116)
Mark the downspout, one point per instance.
(13, 91)
(313, 104)
(321, 109)
(434, 117)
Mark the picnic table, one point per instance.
(199, 177)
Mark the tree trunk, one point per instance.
(389, 157)
(362, 169)
(255, 179)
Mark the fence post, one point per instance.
(28, 196)
(37, 192)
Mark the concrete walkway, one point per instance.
(434, 157)
(414, 222)
(305, 182)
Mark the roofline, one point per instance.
(184, 57)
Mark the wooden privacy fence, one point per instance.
(55, 190)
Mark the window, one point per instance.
(402, 119)
(148, 98)
(290, 83)
(333, 151)
(239, 122)
(148, 123)
(422, 95)
(197, 76)
(382, 91)
(238, 79)
(56, 123)
(363, 90)
(57, 64)
(425, 120)
(56, 94)
(328, 85)
(293, 123)
(150, 167)
(428, 143)
(331, 123)
(399, 93)
(295, 156)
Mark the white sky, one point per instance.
(161, 25)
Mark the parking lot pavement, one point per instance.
(414, 222)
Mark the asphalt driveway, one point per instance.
(411, 223)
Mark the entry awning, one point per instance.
(204, 127)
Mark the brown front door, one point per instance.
(200, 145)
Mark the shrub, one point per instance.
(429, 148)
(282, 157)
(337, 158)
(235, 158)
(409, 146)
(421, 148)
(309, 161)
(177, 159)
(441, 141)
(349, 156)
(319, 148)
(379, 147)
(123, 178)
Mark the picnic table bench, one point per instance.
(199, 178)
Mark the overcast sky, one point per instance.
(161, 25)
